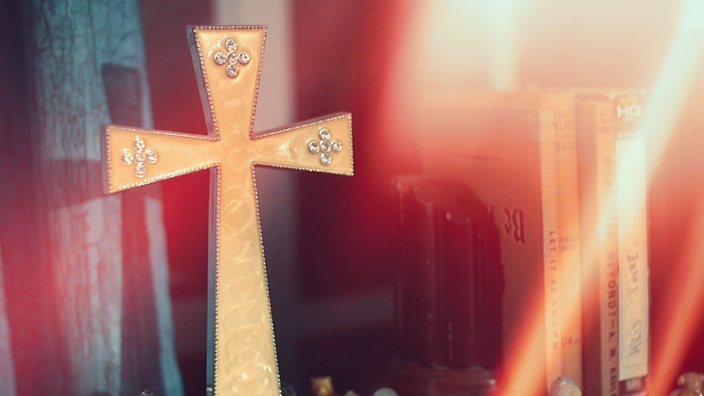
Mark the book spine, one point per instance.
(599, 249)
(548, 176)
(432, 285)
(410, 279)
(606, 250)
(460, 295)
(567, 201)
(633, 265)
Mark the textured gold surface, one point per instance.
(245, 359)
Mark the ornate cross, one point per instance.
(229, 60)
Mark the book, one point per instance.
(450, 278)
(596, 140)
(568, 228)
(421, 311)
(632, 223)
(614, 242)
(514, 151)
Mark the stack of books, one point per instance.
(562, 174)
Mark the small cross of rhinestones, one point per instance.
(325, 147)
(232, 58)
(141, 156)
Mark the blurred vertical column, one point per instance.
(341, 62)
(176, 106)
(674, 142)
(7, 369)
(16, 196)
(87, 303)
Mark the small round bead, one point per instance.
(152, 156)
(232, 71)
(140, 170)
(220, 58)
(325, 146)
(325, 159)
(139, 143)
(127, 156)
(243, 57)
(313, 147)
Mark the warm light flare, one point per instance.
(460, 53)
(684, 295)
(522, 374)
(461, 43)
(667, 99)
(670, 91)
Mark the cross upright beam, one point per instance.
(228, 62)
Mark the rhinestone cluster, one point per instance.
(231, 58)
(140, 158)
(325, 147)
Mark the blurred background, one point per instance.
(328, 239)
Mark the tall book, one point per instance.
(517, 152)
(568, 226)
(631, 207)
(614, 243)
(596, 142)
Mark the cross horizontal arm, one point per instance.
(303, 146)
(136, 157)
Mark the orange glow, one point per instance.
(522, 375)
(668, 96)
(684, 295)
(463, 46)
(684, 291)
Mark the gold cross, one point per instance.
(244, 357)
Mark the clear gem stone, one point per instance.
(152, 156)
(139, 143)
(324, 133)
(220, 58)
(232, 57)
(325, 146)
(325, 159)
(140, 170)
(231, 45)
(127, 156)
(232, 71)
(243, 57)
(313, 147)
(336, 146)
